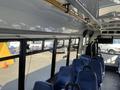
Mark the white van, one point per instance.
(110, 48)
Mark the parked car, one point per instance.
(109, 48)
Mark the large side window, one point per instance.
(110, 52)
(38, 66)
(9, 68)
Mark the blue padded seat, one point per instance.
(85, 59)
(97, 68)
(63, 77)
(40, 85)
(101, 60)
(77, 66)
(87, 79)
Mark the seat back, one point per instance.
(87, 79)
(63, 77)
(101, 60)
(97, 68)
(77, 66)
(39, 85)
(85, 59)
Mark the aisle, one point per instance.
(111, 81)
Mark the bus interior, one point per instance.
(59, 44)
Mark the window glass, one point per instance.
(48, 44)
(61, 54)
(73, 50)
(34, 45)
(110, 52)
(9, 74)
(38, 68)
(9, 48)
(9, 68)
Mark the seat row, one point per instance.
(85, 73)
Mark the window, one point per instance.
(110, 52)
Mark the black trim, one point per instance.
(22, 61)
(43, 43)
(78, 48)
(53, 58)
(68, 53)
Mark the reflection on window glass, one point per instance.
(38, 68)
(9, 74)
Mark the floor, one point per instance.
(111, 81)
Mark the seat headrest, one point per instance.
(85, 59)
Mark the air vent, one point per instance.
(111, 25)
(118, 24)
(104, 32)
(105, 26)
(111, 32)
(118, 32)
